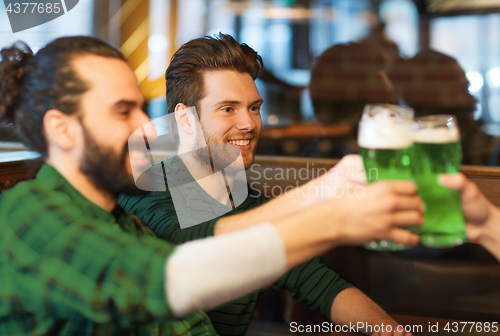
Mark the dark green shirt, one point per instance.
(311, 282)
(68, 267)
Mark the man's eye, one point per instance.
(124, 113)
(227, 109)
(255, 109)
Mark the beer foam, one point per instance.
(384, 132)
(437, 135)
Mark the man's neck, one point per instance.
(216, 185)
(197, 167)
(71, 172)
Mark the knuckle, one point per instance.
(416, 217)
(409, 239)
(381, 187)
(412, 187)
(389, 203)
(385, 224)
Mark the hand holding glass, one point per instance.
(384, 140)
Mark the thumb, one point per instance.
(473, 232)
(453, 181)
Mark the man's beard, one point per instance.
(106, 169)
(218, 155)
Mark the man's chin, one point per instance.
(249, 158)
(248, 162)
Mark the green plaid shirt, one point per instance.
(68, 267)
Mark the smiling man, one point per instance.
(216, 76)
(228, 93)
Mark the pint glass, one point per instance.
(437, 150)
(384, 140)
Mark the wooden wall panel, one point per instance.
(16, 167)
(487, 178)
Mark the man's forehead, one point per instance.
(95, 68)
(230, 85)
(106, 76)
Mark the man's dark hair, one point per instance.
(30, 85)
(184, 75)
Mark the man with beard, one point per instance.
(72, 262)
(216, 76)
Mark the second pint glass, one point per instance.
(437, 150)
(384, 140)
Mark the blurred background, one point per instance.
(324, 60)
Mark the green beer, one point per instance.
(384, 140)
(444, 223)
(386, 164)
(437, 150)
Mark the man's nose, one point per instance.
(245, 121)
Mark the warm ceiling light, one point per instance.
(296, 13)
(450, 5)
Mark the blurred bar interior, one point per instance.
(324, 60)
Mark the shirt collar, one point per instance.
(51, 177)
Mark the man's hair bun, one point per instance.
(12, 63)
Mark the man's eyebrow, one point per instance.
(124, 103)
(228, 102)
(258, 101)
(237, 102)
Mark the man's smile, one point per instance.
(242, 144)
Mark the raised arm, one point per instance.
(157, 209)
(236, 266)
(317, 190)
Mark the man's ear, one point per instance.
(184, 118)
(60, 129)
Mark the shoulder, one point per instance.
(38, 215)
(33, 197)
